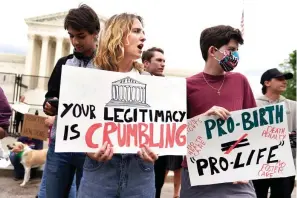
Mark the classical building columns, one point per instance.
(129, 93)
(59, 46)
(30, 54)
(43, 61)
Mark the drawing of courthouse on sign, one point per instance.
(128, 92)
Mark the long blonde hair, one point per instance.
(111, 46)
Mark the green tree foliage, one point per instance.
(290, 66)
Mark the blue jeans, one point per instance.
(19, 170)
(124, 176)
(42, 187)
(221, 190)
(60, 171)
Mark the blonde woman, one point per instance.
(109, 175)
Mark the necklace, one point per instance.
(218, 90)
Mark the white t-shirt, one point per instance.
(134, 71)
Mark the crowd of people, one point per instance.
(108, 175)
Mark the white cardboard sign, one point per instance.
(251, 144)
(125, 109)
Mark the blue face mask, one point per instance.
(229, 61)
(236, 54)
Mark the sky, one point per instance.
(176, 25)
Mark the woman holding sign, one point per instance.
(119, 175)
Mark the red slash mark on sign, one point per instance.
(235, 144)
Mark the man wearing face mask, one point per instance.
(274, 83)
(217, 91)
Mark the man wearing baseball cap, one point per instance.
(274, 84)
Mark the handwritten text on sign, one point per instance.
(125, 110)
(251, 144)
(34, 127)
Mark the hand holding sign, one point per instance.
(50, 109)
(219, 111)
(104, 154)
(126, 112)
(147, 154)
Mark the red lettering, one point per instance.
(151, 139)
(282, 137)
(161, 144)
(142, 128)
(281, 166)
(170, 134)
(274, 133)
(190, 153)
(122, 137)
(142, 133)
(131, 131)
(180, 140)
(269, 128)
(264, 167)
(109, 127)
(89, 135)
(192, 124)
(264, 133)
(268, 170)
(265, 174)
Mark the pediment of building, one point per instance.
(56, 19)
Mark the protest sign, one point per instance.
(125, 109)
(34, 127)
(21, 107)
(250, 144)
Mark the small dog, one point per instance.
(29, 158)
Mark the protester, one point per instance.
(217, 91)
(5, 114)
(274, 83)
(49, 121)
(120, 175)
(154, 62)
(83, 27)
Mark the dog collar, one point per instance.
(20, 154)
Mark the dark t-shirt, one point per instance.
(235, 94)
(5, 110)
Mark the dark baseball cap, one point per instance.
(274, 73)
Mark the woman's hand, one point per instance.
(219, 111)
(49, 109)
(147, 154)
(2, 133)
(104, 154)
(49, 121)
